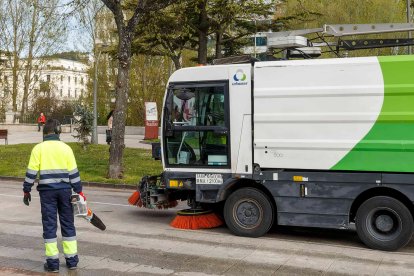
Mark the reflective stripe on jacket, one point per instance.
(56, 165)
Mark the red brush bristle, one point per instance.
(201, 221)
(134, 198)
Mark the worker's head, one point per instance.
(52, 126)
(41, 113)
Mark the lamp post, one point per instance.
(95, 96)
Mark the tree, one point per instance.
(45, 32)
(228, 20)
(164, 33)
(12, 37)
(126, 23)
(232, 21)
(83, 124)
(30, 28)
(192, 25)
(149, 76)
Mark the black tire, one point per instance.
(248, 212)
(384, 223)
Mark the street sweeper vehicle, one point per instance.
(323, 143)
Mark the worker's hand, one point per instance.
(27, 198)
(82, 195)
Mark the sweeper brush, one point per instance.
(134, 198)
(151, 194)
(196, 219)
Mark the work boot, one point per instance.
(72, 262)
(51, 269)
(73, 267)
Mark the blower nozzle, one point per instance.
(80, 209)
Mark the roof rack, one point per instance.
(295, 42)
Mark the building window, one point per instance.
(81, 92)
(5, 79)
(76, 80)
(69, 93)
(76, 92)
(48, 78)
(69, 79)
(81, 80)
(36, 77)
(61, 92)
(61, 78)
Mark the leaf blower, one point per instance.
(80, 209)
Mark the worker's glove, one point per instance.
(82, 195)
(27, 198)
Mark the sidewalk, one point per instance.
(131, 141)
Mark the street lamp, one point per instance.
(95, 95)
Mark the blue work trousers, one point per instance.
(55, 202)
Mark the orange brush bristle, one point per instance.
(190, 219)
(134, 198)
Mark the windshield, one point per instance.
(196, 125)
(198, 106)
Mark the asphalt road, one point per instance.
(141, 242)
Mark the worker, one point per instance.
(58, 176)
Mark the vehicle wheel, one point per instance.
(248, 212)
(384, 223)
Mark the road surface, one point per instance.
(141, 242)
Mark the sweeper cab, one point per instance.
(317, 143)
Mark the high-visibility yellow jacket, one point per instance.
(56, 165)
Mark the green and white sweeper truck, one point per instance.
(323, 143)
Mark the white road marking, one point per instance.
(94, 202)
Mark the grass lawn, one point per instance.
(92, 162)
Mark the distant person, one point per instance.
(110, 119)
(41, 120)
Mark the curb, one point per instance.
(84, 183)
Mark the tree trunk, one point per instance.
(29, 64)
(15, 76)
(219, 44)
(176, 59)
(122, 88)
(203, 27)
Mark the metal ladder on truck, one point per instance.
(294, 44)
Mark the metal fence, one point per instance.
(25, 119)
(32, 118)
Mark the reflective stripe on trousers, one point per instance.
(70, 247)
(51, 249)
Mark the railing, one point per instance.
(25, 119)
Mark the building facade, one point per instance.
(61, 78)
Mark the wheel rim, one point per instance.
(248, 213)
(384, 224)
